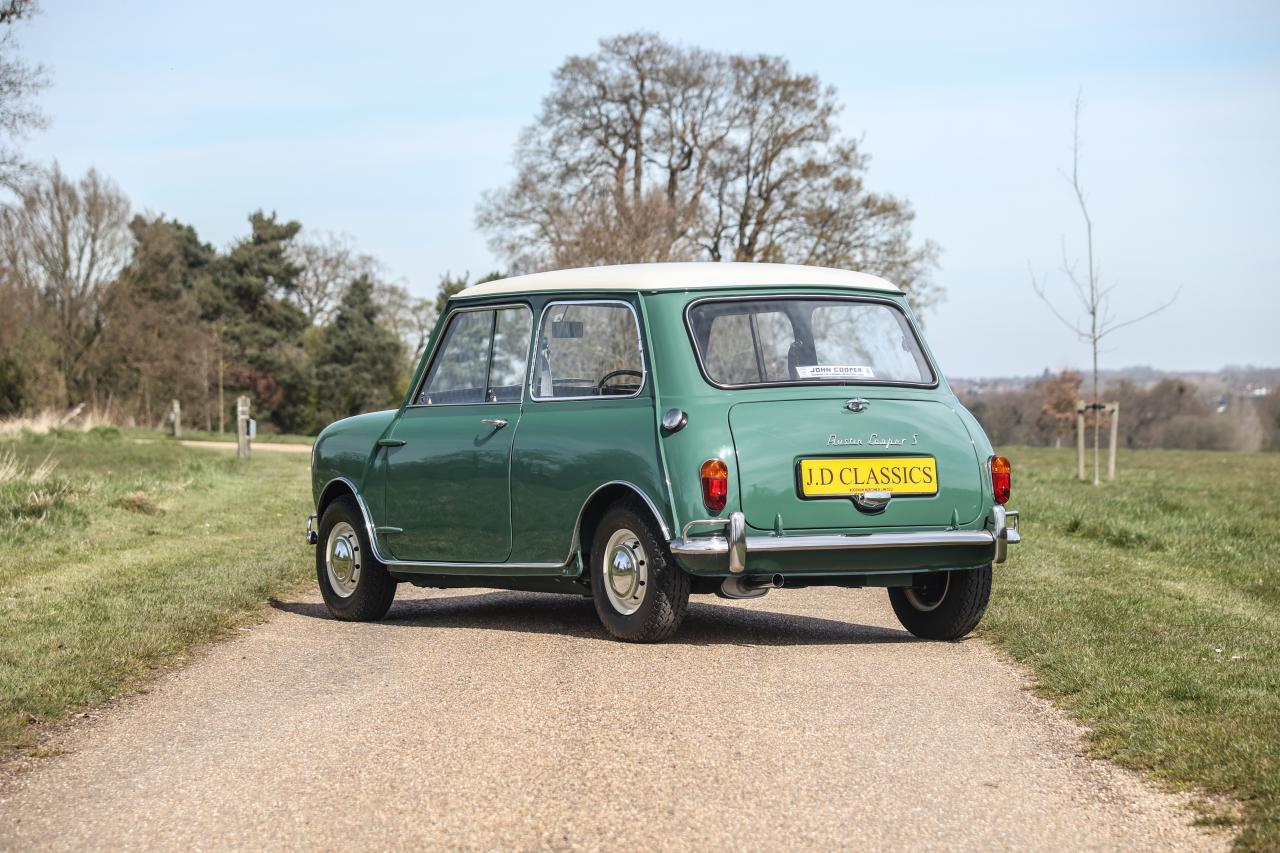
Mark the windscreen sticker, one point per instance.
(837, 371)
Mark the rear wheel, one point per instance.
(943, 605)
(640, 593)
(355, 586)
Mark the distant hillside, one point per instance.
(1232, 380)
(1236, 408)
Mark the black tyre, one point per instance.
(943, 605)
(641, 595)
(355, 586)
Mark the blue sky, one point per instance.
(387, 121)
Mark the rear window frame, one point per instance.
(804, 383)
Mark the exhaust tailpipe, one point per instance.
(750, 587)
(764, 582)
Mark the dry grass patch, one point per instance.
(139, 502)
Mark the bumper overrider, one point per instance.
(1000, 532)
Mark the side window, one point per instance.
(510, 354)
(481, 359)
(588, 349)
(458, 371)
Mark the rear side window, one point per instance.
(796, 340)
(588, 349)
(481, 359)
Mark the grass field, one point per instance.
(1150, 609)
(205, 436)
(123, 555)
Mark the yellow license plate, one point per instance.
(908, 475)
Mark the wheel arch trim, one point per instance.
(575, 541)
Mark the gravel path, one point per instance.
(501, 720)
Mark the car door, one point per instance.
(448, 488)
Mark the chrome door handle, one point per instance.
(496, 423)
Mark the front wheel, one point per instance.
(355, 586)
(640, 593)
(943, 605)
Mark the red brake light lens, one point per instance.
(1001, 478)
(715, 484)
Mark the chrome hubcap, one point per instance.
(930, 595)
(626, 571)
(343, 559)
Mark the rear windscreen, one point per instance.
(798, 340)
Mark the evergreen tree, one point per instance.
(261, 327)
(358, 368)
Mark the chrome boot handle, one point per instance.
(872, 501)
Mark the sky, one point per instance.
(386, 122)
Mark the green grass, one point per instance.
(125, 555)
(1150, 609)
(206, 435)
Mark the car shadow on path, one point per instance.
(547, 613)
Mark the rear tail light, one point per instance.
(1001, 478)
(715, 484)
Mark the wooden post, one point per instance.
(176, 416)
(1080, 439)
(242, 427)
(222, 404)
(1114, 410)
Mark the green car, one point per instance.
(642, 433)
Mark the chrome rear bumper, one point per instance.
(1001, 531)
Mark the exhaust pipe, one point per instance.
(750, 587)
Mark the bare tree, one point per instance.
(647, 151)
(1097, 321)
(329, 263)
(410, 317)
(63, 244)
(19, 83)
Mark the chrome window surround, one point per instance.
(435, 352)
(802, 383)
(644, 363)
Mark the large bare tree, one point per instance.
(62, 244)
(1096, 320)
(648, 151)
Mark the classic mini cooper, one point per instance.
(638, 434)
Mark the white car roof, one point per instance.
(679, 276)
